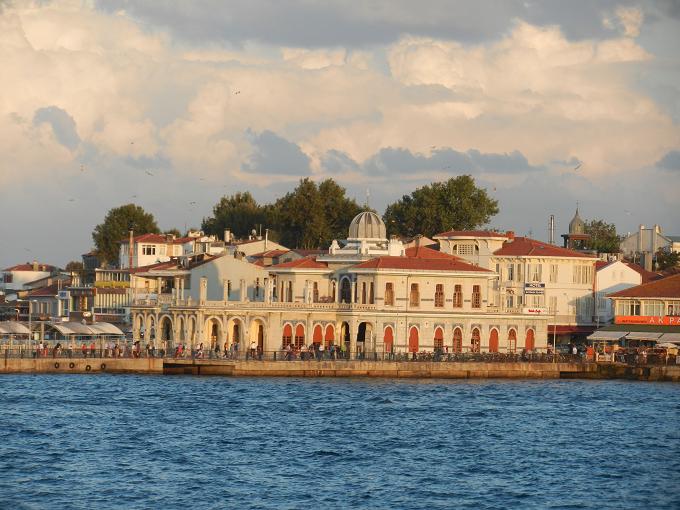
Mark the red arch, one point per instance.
(493, 341)
(413, 340)
(512, 340)
(388, 339)
(438, 338)
(287, 337)
(318, 334)
(457, 340)
(330, 335)
(299, 335)
(529, 342)
(476, 340)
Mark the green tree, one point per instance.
(173, 231)
(74, 266)
(240, 213)
(338, 209)
(108, 235)
(603, 236)
(299, 217)
(666, 260)
(454, 204)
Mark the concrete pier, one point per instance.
(403, 369)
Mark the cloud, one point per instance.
(631, 19)
(63, 125)
(670, 161)
(443, 160)
(276, 155)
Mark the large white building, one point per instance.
(367, 292)
(613, 277)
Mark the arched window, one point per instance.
(345, 291)
(388, 339)
(287, 336)
(414, 299)
(476, 340)
(493, 341)
(529, 343)
(389, 294)
(363, 293)
(299, 335)
(439, 339)
(457, 340)
(458, 296)
(476, 296)
(318, 334)
(413, 340)
(512, 340)
(330, 335)
(439, 296)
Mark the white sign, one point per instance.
(534, 310)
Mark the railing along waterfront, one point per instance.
(282, 355)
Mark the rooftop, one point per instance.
(526, 247)
(668, 287)
(304, 263)
(471, 233)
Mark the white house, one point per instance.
(612, 277)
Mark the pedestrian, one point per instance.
(320, 352)
(253, 349)
(84, 349)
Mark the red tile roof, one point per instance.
(668, 287)
(269, 253)
(49, 290)
(29, 267)
(305, 263)
(182, 240)
(307, 253)
(423, 252)
(159, 265)
(146, 238)
(418, 264)
(471, 233)
(526, 247)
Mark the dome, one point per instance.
(576, 225)
(367, 225)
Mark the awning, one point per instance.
(607, 336)
(77, 328)
(13, 328)
(673, 338)
(650, 336)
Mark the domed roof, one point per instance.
(367, 225)
(576, 225)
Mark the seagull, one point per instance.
(132, 143)
(134, 196)
(192, 203)
(578, 166)
(148, 173)
(71, 199)
(447, 167)
(237, 92)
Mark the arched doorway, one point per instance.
(139, 326)
(317, 336)
(344, 334)
(299, 336)
(191, 331)
(257, 335)
(413, 339)
(213, 333)
(150, 330)
(476, 340)
(364, 338)
(529, 343)
(330, 335)
(287, 336)
(512, 340)
(493, 341)
(457, 340)
(236, 334)
(345, 291)
(166, 331)
(181, 329)
(439, 339)
(388, 340)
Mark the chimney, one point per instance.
(266, 238)
(510, 234)
(227, 236)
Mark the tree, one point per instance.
(108, 235)
(173, 231)
(603, 236)
(299, 217)
(455, 204)
(74, 266)
(666, 260)
(239, 213)
(338, 209)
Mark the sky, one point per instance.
(171, 105)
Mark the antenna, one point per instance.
(552, 229)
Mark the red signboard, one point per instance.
(668, 320)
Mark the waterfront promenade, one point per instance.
(460, 368)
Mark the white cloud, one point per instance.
(631, 19)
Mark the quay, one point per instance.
(342, 368)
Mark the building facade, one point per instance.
(368, 293)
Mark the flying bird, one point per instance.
(192, 203)
(237, 92)
(148, 173)
(71, 199)
(132, 143)
(578, 166)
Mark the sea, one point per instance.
(179, 442)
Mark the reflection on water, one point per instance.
(103, 441)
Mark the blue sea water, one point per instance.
(118, 441)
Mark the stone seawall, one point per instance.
(409, 369)
(81, 365)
